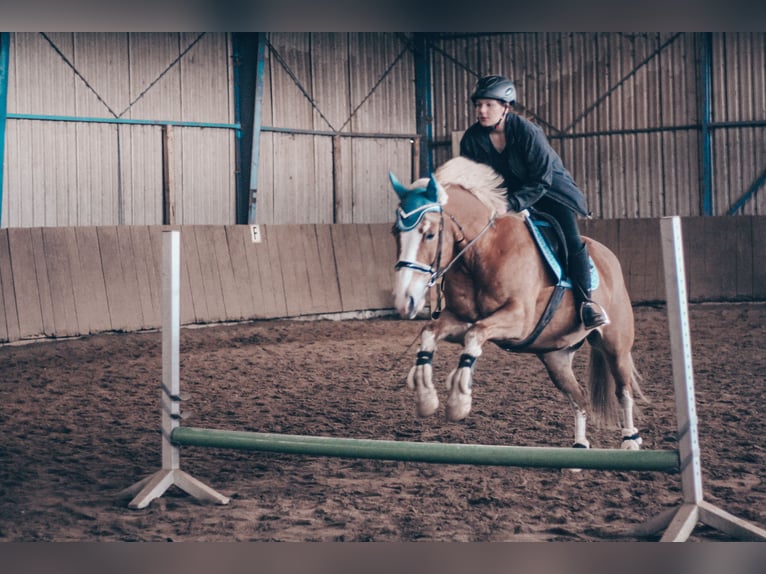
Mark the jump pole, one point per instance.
(679, 522)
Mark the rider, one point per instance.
(534, 176)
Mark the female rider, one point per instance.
(534, 176)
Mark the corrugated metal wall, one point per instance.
(739, 95)
(359, 86)
(623, 110)
(61, 173)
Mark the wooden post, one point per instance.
(415, 158)
(168, 178)
(337, 170)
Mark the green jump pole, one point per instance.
(441, 453)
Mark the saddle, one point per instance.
(549, 238)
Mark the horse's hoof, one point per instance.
(630, 439)
(459, 401)
(427, 404)
(458, 412)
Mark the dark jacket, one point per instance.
(530, 166)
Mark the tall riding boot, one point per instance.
(591, 314)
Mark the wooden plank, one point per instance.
(9, 319)
(705, 269)
(154, 267)
(211, 283)
(236, 236)
(384, 257)
(292, 258)
(190, 260)
(744, 262)
(640, 254)
(265, 270)
(80, 287)
(320, 269)
(92, 275)
(43, 284)
(759, 256)
(349, 259)
(60, 279)
(262, 299)
(606, 232)
(231, 295)
(368, 271)
(602, 230)
(131, 300)
(114, 281)
(148, 295)
(327, 269)
(25, 282)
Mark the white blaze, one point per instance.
(410, 286)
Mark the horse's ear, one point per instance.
(434, 191)
(398, 187)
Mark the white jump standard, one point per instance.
(678, 523)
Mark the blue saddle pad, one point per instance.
(534, 225)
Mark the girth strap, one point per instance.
(550, 309)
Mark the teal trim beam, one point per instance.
(85, 119)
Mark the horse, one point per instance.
(455, 228)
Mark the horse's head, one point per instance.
(418, 230)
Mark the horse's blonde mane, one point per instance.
(480, 180)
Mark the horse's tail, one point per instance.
(605, 410)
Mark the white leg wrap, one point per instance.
(459, 400)
(580, 434)
(630, 439)
(420, 380)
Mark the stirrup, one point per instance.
(593, 315)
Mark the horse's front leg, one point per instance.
(420, 377)
(501, 325)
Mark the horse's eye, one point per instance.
(430, 236)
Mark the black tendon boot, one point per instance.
(591, 314)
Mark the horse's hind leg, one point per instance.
(626, 383)
(559, 367)
(613, 371)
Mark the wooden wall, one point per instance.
(58, 282)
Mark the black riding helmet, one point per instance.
(495, 88)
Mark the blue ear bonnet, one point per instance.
(414, 203)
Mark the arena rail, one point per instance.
(677, 522)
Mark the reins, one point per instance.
(439, 273)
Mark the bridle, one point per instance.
(435, 270)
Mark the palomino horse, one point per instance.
(496, 286)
